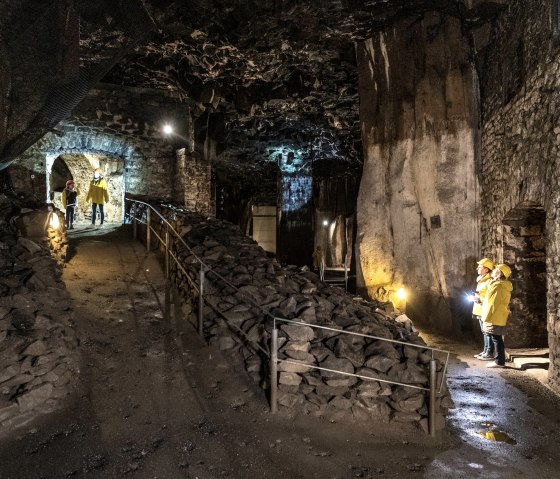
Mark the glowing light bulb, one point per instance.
(401, 294)
(53, 223)
(325, 222)
(167, 129)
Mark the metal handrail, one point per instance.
(179, 265)
(432, 379)
(419, 346)
(205, 268)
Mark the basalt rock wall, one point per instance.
(417, 204)
(38, 348)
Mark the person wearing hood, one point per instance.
(98, 195)
(484, 271)
(495, 311)
(69, 202)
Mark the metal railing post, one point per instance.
(167, 313)
(274, 371)
(176, 305)
(201, 302)
(432, 404)
(133, 208)
(148, 230)
(166, 252)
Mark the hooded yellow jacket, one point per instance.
(482, 285)
(495, 309)
(98, 192)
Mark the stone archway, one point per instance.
(78, 154)
(524, 249)
(79, 167)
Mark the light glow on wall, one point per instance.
(289, 159)
(296, 192)
(401, 294)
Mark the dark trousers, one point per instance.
(488, 343)
(70, 215)
(94, 212)
(498, 342)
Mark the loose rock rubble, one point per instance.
(245, 288)
(37, 342)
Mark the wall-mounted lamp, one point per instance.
(52, 218)
(325, 222)
(401, 294)
(167, 129)
(53, 222)
(399, 300)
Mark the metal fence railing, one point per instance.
(432, 389)
(171, 255)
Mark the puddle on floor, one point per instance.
(494, 434)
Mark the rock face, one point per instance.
(38, 360)
(520, 168)
(416, 214)
(246, 288)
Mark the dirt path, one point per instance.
(156, 402)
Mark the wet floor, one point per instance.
(504, 419)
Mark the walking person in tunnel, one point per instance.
(484, 271)
(98, 195)
(69, 202)
(495, 311)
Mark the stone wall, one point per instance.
(124, 124)
(193, 186)
(521, 143)
(417, 205)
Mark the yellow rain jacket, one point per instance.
(482, 285)
(98, 192)
(495, 309)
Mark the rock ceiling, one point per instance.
(265, 77)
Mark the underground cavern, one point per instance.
(296, 197)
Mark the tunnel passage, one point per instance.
(80, 167)
(524, 249)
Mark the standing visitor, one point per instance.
(495, 311)
(69, 202)
(98, 195)
(484, 270)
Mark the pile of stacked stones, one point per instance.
(38, 360)
(246, 288)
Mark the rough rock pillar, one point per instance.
(417, 204)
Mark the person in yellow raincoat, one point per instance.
(495, 311)
(484, 271)
(98, 195)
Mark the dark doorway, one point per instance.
(524, 249)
